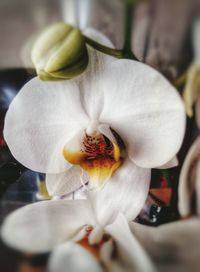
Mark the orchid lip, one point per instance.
(96, 151)
(93, 240)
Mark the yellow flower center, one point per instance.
(98, 156)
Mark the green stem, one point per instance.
(129, 7)
(105, 49)
(126, 52)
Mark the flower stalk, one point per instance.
(105, 49)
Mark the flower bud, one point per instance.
(60, 53)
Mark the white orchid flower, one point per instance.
(192, 88)
(117, 117)
(78, 239)
(189, 182)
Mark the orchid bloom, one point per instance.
(77, 239)
(119, 116)
(191, 93)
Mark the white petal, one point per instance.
(170, 164)
(174, 246)
(144, 109)
(188, 179)
(125, 192)
(98, 37)
(96, 235)
(41, 118)
(71, 257)
(42, 226)
(66, 182)
(89, 81)
(80, 193)
(130, 251)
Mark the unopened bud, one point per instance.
(60, 53)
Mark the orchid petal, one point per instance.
(170, 164)
(174, 246)
(41, 226)
(125, 192)
(80, 193)
(133, 100)
(89, 84)
(130, 251)
(41, 118)
(66, 182)
(96, 235)
(71, 257)
(189, 179)
(98, 37)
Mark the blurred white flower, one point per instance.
(78, 239)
